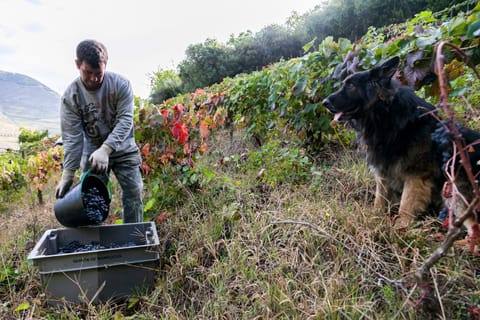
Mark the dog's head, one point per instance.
(361, 90)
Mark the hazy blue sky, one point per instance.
(38, 37)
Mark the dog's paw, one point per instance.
(401, 222)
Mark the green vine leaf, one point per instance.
(474, 29)
(309, 45)
(299, 87)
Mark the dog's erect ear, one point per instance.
(386, 70)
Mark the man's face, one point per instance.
(92, 78)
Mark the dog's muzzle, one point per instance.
(327, 104)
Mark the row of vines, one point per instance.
(287, 95)
(30, 169)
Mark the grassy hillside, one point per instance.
(243, 247)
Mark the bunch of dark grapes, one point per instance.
(95, 205)
(76, 246)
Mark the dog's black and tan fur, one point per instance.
(396, 126)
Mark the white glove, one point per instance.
(99, 158)
(65, 183)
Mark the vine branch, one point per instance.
(461, 152)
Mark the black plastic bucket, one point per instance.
(85, 204)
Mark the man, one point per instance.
(97, 128)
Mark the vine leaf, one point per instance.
(474, 29)
(299, 87)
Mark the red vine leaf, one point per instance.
(180, 132)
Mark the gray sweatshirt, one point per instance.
(90, 118)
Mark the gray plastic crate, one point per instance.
(97, 275)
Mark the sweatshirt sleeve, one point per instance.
(123, 123)
(72, 131)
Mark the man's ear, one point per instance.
(78, 63)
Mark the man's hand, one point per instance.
(99, 158)
(65, 183)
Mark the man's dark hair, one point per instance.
(92, 52)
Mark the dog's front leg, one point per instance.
(381, 193)
(416, 196)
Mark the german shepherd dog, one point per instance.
(396, 127)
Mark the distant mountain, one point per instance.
(25, 102)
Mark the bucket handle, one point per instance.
(109, 183)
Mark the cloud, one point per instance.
(6, 49)
(33, 27)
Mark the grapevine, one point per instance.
(171, 133)
(41, 168)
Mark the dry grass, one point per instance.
(27, 217)
(238, 250)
